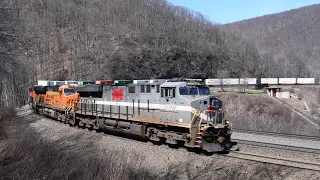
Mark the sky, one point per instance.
(227, 11)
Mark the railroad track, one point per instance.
(250, 157)
(281, 147)
(264, 159)
(317, 138)
(275, 160)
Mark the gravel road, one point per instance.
(161, 159)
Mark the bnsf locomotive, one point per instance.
(170, 111)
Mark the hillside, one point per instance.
(288, 42)
(123, 39)
(263, 113)
(129, 39)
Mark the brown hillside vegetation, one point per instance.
(13, 78)
(262, 113)
(311, 96)
(123, 39)
(127, 39)
(288, 42)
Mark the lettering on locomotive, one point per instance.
(170, 107)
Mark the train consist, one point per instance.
(260, 81)
(170, 111)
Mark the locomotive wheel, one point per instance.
(71, 123)
(84, 126)
(81, 125)
(173, 146)
(194, 150)
(89, 127)
(224, 152)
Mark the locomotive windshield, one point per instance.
(204, 91)
(194, 91)
(69, 91)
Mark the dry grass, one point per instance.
(6, 115)
(259, 112)
(24, 155)
(312, 97)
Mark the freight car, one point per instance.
(260, 82)
(170, 111)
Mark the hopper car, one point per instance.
(175, 112)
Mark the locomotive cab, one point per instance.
(190, 103)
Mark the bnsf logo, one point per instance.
(117, 94)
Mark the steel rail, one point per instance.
(280, 146)
(274, 160)
(277, 134)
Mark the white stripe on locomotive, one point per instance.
(167, 107)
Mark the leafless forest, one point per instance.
(124, 39)
(288, 42)
(139, 39)
(128, 39)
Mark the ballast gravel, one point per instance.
(282, 153)
(290, 141)
(162, 160)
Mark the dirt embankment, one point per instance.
(262, 113)
(311, 97)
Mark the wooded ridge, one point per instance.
(288, 42)
(145, 39)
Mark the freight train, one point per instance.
(175, 112)
(260, 81)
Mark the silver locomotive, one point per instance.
(171, 111)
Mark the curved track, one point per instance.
(281, 147)
(278, 160)
(278, 134)
(274, 160)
